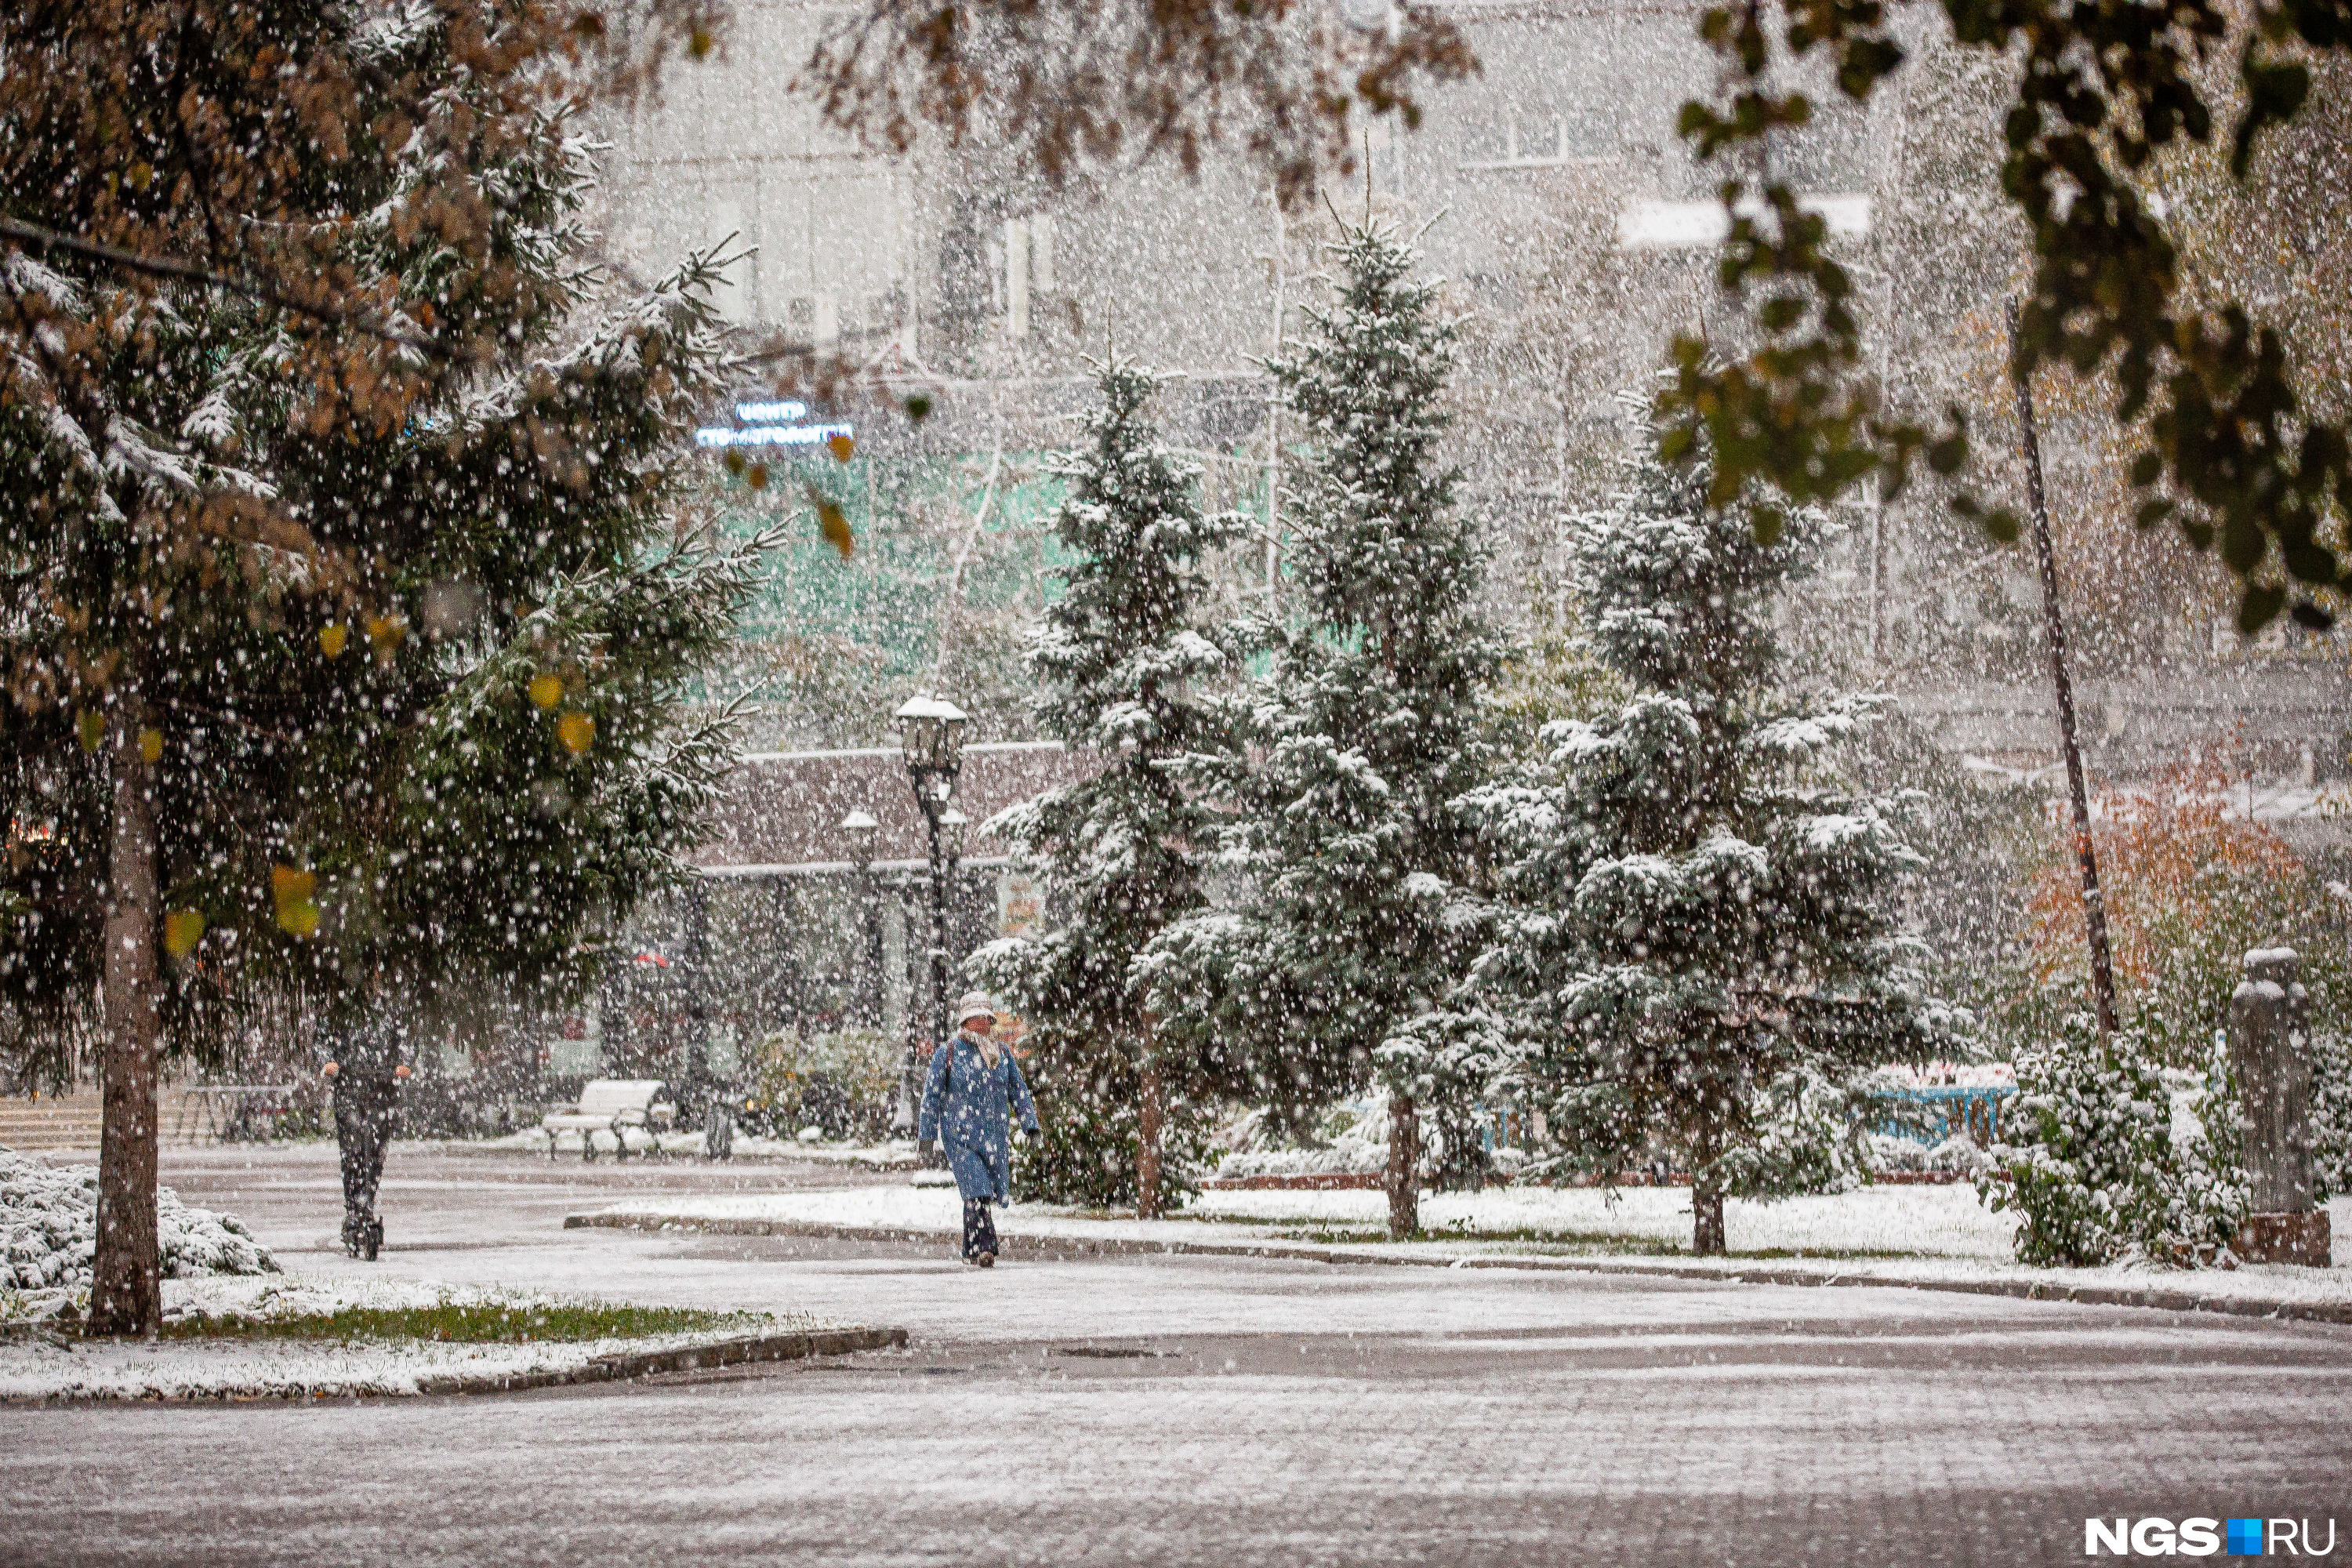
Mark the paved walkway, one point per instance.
(1193, 1411)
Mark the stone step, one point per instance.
(70, 1121)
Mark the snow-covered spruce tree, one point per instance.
(349, 637)
(1337, 959)
(1123, 669)
(1695, 930)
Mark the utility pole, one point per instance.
(2094, 912)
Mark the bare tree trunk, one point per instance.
(1706, 1196)
(2094, 909)
(1404, 1160)
(1154, 1110)
(126, 1289)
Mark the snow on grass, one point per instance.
(320, 1337)
(1930, 1221)
(1900, 1234)
(48, 1230)
(688, 1145)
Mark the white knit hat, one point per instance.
(975, 1005)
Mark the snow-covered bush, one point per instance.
(2331, 1113)
(1348, 1138)
(1888, 1155)
(48, 1230)
(2093, 1166)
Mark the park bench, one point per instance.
(612, 1105)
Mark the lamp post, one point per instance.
(862, 830)
(931, 731)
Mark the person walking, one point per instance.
(366, 1072)
(973, 1089)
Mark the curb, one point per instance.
(1057, 1248)
(682, 1358)
(738, 1352)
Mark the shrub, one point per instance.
(1089, 1111)
(2331, 1113)
(845, 1083)
(2095, 1168)
(48, 1230)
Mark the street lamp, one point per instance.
(932, 733)
(862, 831)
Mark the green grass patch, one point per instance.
(465, 1322)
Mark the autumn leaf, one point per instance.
(547, 690)
(331, 640)
(577, 731)
(841, 447)
(150, 745)
(758, 477)
(92, 725)
(183, 928)
(831, 522)
(291, 885)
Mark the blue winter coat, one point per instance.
(965, 1104)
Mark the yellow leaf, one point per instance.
(150, 745)
(699, 42)
(331, 640)
(547, 690)
(758, 477)
(831, 522)
(92, 725)
(300, 918)
(577, 731)
(183, 928)
(290, 886)
(841, 447)
(386, 632)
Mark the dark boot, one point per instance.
(979, 1235)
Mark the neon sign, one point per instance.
(770, 425)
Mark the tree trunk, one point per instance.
(2053, 627)
(1154, 1116)
(1707, 1195)
(1404, 1158)
(126, 1289)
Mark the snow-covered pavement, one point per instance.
(1195, 1410)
